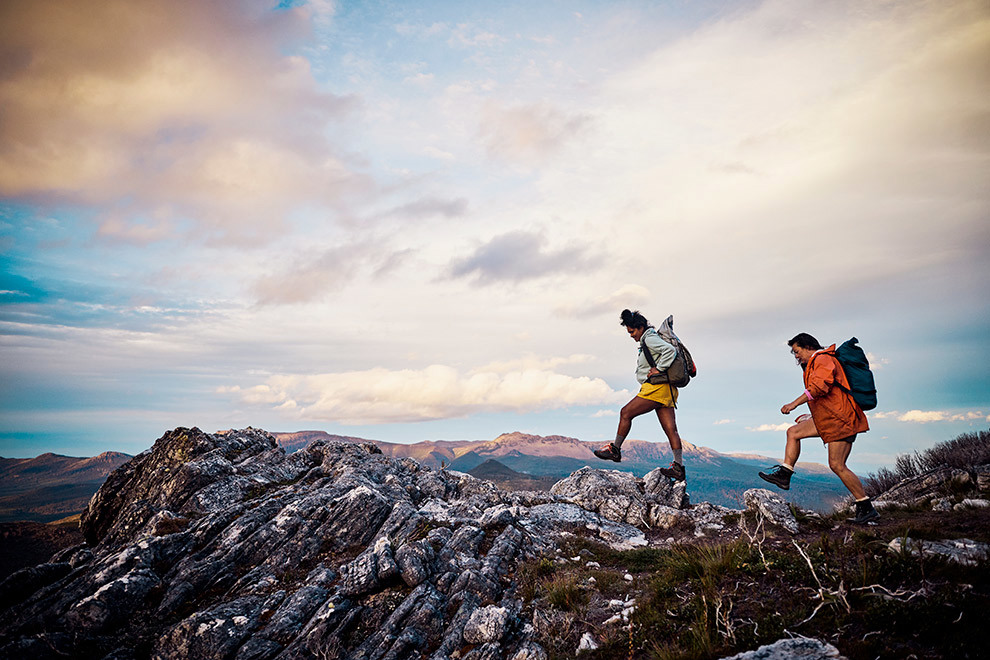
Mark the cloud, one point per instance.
(138, 106)
(380, 396)
(928, 416)
(876, 362)
(723, 421)
(629, 296)
(314, 276)
(518, 256)
(528, 134)
(534, 363)
(429, 207)
(769, 427)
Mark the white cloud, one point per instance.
(928, 416)
(768, 427)
(629, 296)
(150, 116)
(381, 396)
(529, 134)
(533, 363)
(876, 362)
(723, 421)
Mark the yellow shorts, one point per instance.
(663, 394)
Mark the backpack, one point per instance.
(862, 387)
(682, 369)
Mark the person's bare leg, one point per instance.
(838, 452)
(636, 407)
(668, 422)
(795, 434)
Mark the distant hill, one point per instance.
(712, 476)
(508, 479)
(49, 487)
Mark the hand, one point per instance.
(654, 371)
(787, 408)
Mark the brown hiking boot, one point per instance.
(609, 453)
(865, 513)
(779, 476)
(675, 471)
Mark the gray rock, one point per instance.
(970, 503)
(960, 551)
(214, 633)
(487, 624)
(801, 648)
(982, 473)
(924, 487)
(221, 545)
(666, 491)
(615, 495)
(415, 562)
(942, 504)
(529, 651)
(772, 507)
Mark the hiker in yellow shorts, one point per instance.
(661, 397)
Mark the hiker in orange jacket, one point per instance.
(835, 418)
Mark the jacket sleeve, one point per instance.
(663, 353)
(821, 376)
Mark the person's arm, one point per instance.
(821, 376)
(788, 407)
(663, 352)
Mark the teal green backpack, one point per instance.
(862, 386)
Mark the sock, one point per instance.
(678, 456)
(789, 467)
(617, 443)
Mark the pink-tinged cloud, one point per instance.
(180, 109)
(382, 396)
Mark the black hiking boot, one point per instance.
(779, 476)
(864, 513)
(609, 453)
(675, 472)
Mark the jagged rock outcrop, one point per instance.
(935, 485)
(800, 648)
(222, 546)
(772, 507)
(653, 502)
(961, 551)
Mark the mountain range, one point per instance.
(712, 476)
(49, 487)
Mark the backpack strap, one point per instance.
(647, 353)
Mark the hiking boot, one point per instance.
(675, 471)
(864, 513)
(609, 453)
(779, 476)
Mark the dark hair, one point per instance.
(633, 319)
(804, 340)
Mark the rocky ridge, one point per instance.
(222, 546)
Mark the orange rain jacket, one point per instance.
(836, 415)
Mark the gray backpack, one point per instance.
(682, 369)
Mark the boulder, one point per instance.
(960, 551)
(934, 483)
(487, 624)
(771, 507)
(801, 648)
(982, 473)
(616, 495)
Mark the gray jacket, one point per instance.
(663, 354)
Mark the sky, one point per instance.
(420, 221)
